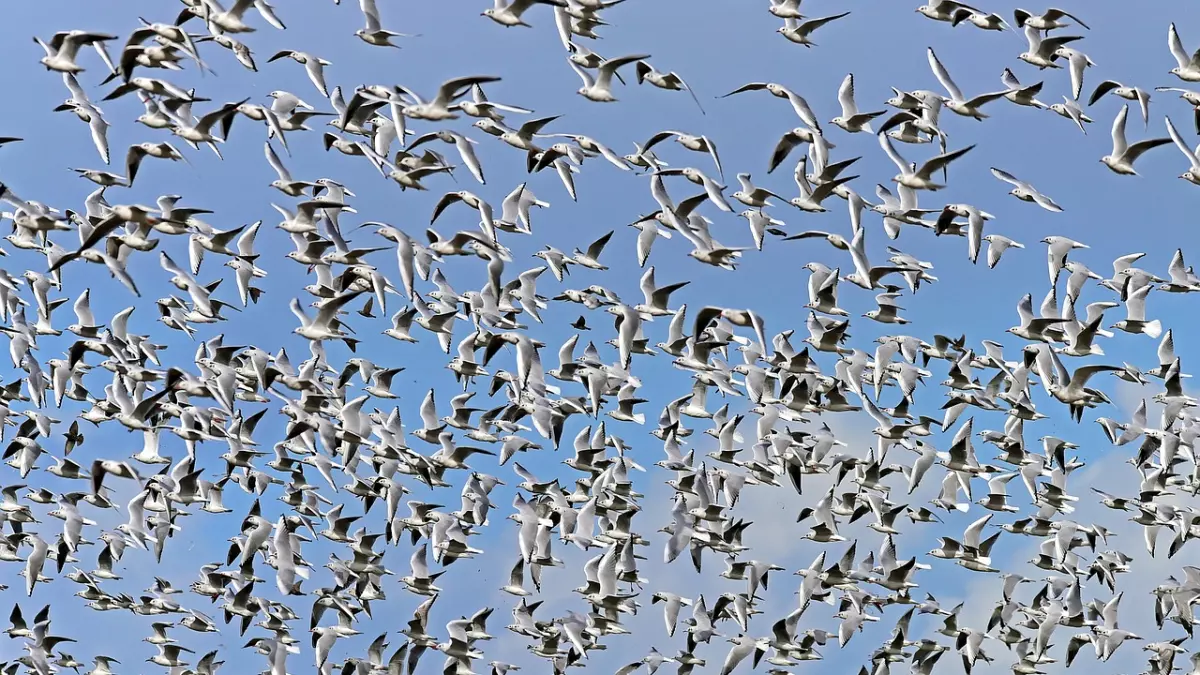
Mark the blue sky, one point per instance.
(716, 48)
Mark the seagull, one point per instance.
(1192, 97)
(472, 200)
(810, 198)
(997, 245)
(1057, 248)
(599, 88)
(1049, 20)
(461, 143)
(943, 10)
(1188, 69)
(1078, 61)
(1129, 93)
(1019, 94)
(689, 141)
(374, 33)
(438, 108)
(321, 327)
(799, 104)
(670, 81)
(63, 49)
(509, 15)
(956, 102)
(284, 183)
(1071, 110)
(1026, 192)
(86, 111)
(798, 31)
(752, 196)
(920, 178)
(1192, 175)
(1043, 50)
(1124, 155)
(981, 20)
(313, 65)
(851, 120)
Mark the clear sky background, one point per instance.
(716, 47)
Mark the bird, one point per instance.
(1128, 93)
(599, 88)
(1188, 68)
(1049, 20)
(1026, 192)
(314, 66)
(851, 119)
(176, 439)
(1123, 155)
(509, 14)
(800, 30)
(957, 103)
(1192, 175)
(920, 178)
(374, 33)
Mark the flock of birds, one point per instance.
(755, 409)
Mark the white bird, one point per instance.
(851, 119)
(63, 49)
(1123, 155)
(1026, 192)
(314, 66)
(1128, 93)
(1188, 68)
(800, 30)
(956, 102)
(599, 88)
(1192, 175)
(374, 33)
(509, 14)
(920, 178)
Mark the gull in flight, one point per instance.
(1191, 97)
(1192, 175)
(374, 33)
(1188, 69)
(944, 10)
(803, 111)
(1078, 61)
(670, 81)
(464, 145)
(693, 143)
(64, 47)
(1124, 155)
(997, 245)
(313, 65)
(956, 102)
(1070, 109)
(981, 20)
(599, 89)
(324, 326)
(509, 15)
(1128, 93)
(799, 31)
(1042, 51)
(1047, 21)
(1026, 192)
(438, 108)
(810, 198)
(851, 119)
(1019, 94)
(920, 178)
